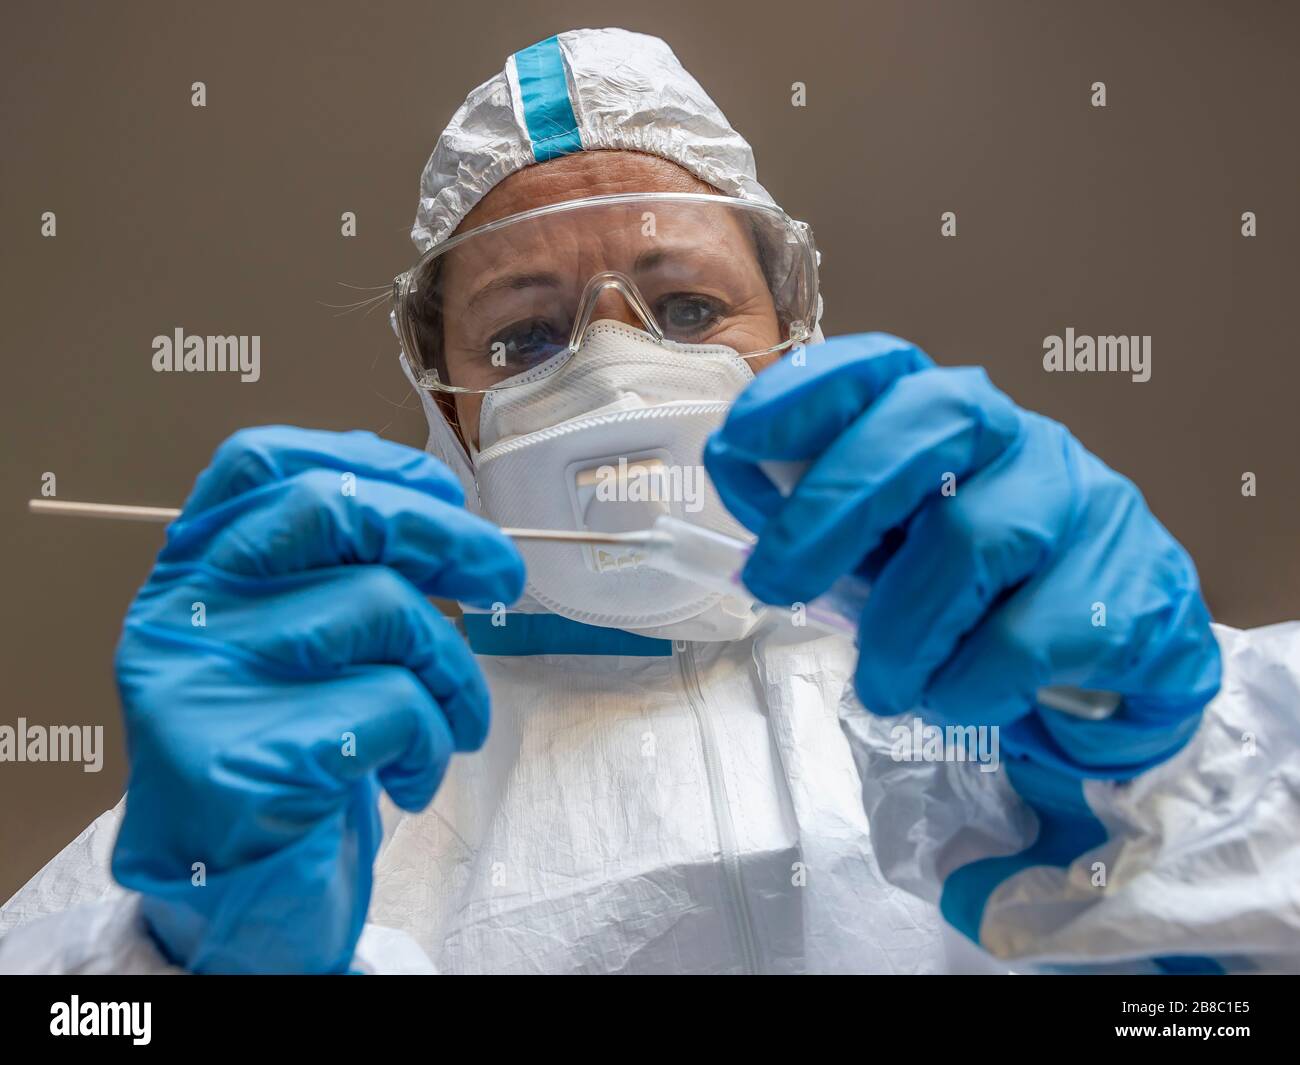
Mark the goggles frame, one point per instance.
(405, 289)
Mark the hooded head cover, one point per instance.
(582, 90)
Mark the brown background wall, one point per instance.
(226, 220)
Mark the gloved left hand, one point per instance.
(278, 669)
(1003, 555)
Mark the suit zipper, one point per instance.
(728, 849)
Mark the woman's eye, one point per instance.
(687, 314)
(526, 343)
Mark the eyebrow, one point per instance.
(515, 282)
(648, 260)
(657, 256)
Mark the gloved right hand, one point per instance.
(279, 666)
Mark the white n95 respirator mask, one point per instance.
(608, 443)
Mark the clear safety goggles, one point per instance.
(482, 309)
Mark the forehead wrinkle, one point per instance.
(565, 256)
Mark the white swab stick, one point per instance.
(117, 511)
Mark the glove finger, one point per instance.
(1106, 616)
(306, 522)
(295, 769)
(397, 731)
(794, 409)
(1121, 611)
(1139, 734)
(960, 554)
(254, 457)
(413, 779)
(875, 474)
(745, 490)
(323, 624)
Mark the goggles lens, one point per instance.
(484, 308)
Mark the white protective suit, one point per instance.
(646, 805)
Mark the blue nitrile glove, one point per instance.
(278, 668)
(982, 595)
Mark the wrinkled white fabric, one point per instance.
(627, 90)
(104, 934)
(695, 813)
(692, 813)
(77, 874)
(93, 939)
(1202, 855)
(703, 813)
